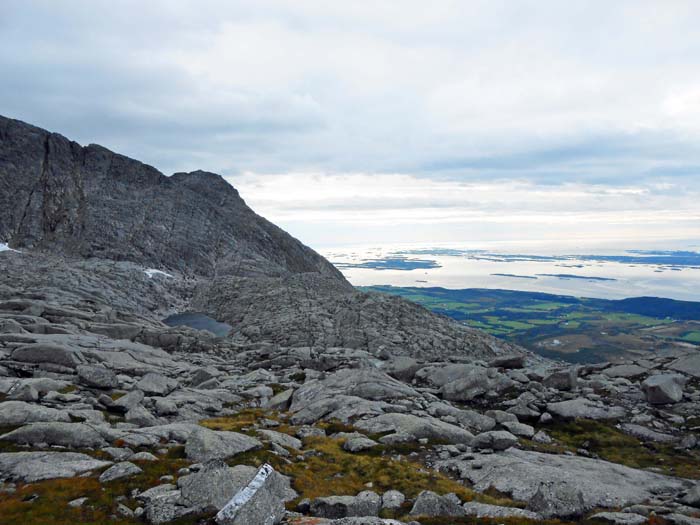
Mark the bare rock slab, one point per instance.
(254, 503)
(205, 445)
(36, 466)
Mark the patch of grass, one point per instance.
(299, 377)
(614, 445)
(117, 395)
(52, 497)
(277, 388)
(68, 389)
(330, 470)
(470, 520)
(692, 337)
(245, 419)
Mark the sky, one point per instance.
(379, 122)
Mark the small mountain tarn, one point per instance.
(199, 321)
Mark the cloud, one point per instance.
(456, 90)
(470, 114)
(409, 208)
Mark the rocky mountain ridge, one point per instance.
(323, 405)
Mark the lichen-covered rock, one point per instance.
(495, 440)
(663, 389)
(205, 445)
(366, 503)
(13, 413)
(74, 435)
(36, 466)
(430, 504)
(584, 408)
(156, 384)
(418, 427)
(256, 502)
(97, 376)
(120, 470)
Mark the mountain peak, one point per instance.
(88, 201)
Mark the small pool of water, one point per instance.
(200, 322)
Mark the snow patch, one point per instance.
(5, 248)
(151, 272)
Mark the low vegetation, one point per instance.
(47, 501)
(611, 444)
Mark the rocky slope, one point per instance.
(322, 406)
(91, 202)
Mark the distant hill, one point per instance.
(571, 328)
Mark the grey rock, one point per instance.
(417, 427)
(24, 393)
(619, 518)
(542, 437)
(204, 444)
(476, 382)
(484, 510)
(40, 353)
(156, 384)
(681, 519)
(166, 407)
(628, 371)
(392, 499)
(118, 471)
(258, 502)
(283, 440)
(495, 440)
(129, 401)
(430, 504)
(202, 375)
(118, 454)
(692, 498)
(663, 388)
(29, 467)
(97, 376)
(13, 413)
(566, 379)
(689, 365)
(166, 506)
(366, 503)
(561, 485)
(471, 419)
(519, 429)
(403, 368)
(281, 401)
(138, 415)
(143, 456)
(216, 483)
(646, 434)
(77, 435)
(508, 361)
(584, 408)
(359, 444)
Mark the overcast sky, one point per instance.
(386, 121)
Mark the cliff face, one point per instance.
(58, 196)
(112, 215)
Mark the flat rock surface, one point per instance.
(594, 483)
(37, 466)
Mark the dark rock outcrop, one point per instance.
(90, 202)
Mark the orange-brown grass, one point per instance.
(51, 505)
(614, 445)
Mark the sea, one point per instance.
(609, 272)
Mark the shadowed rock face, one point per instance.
(91, 221)
(88, 201)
